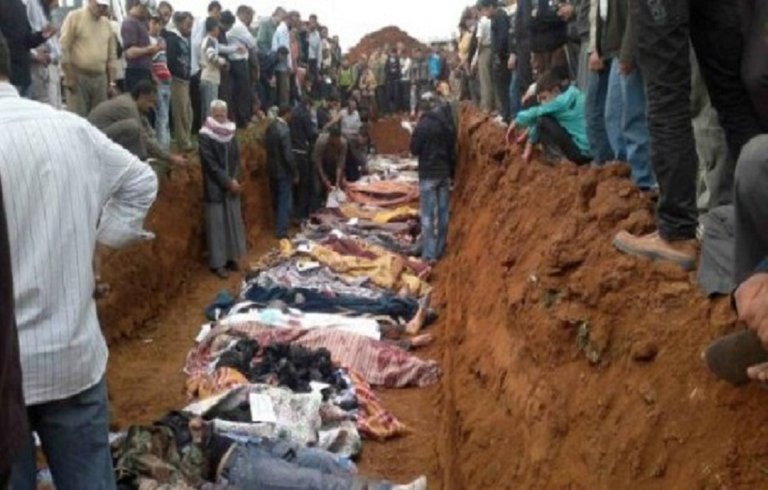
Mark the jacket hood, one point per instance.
(175, 31)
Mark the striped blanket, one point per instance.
(379, 363)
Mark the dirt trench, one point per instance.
(566, 364)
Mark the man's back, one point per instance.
(111, 111)
(63, 179)
(278, 144)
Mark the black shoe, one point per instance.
(222, 273)
(233, 266)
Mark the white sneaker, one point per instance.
(418, 484)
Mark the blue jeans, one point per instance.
(282, 199)
(208, 93)
(74, 433)
(514, 95)
(261, 467)
(625, 120)
(614, 111)
(435, 205)
(597, 93)
(162, 111)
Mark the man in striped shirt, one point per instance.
(66, 186)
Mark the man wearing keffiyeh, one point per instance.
(220, 159)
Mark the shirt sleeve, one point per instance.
(529, 117)
(67, 37)
(593, 26)
(128, 189)
(129, 34)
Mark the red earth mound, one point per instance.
(568, 364)
(389, 137)
(388, 36)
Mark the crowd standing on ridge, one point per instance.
(675, 88)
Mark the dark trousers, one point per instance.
(381, 99)
(552, 134)
(393, 95)
(4, 477)
(282, 201)
(751, 208)
(404, 101)
(283, 79)
(194, 95)
(225, 87)
(135, 75)
(305, 191)
(311, 300)
(755, 63)
(266, 95)
(663, 31)
(242, 98)
(501, 78)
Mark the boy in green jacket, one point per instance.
(558, 122)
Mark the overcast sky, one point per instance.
(425, 20)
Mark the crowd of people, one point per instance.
(676, 89)
(87, 106)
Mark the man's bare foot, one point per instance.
(758, 372)
(422, 340)
(417, 322)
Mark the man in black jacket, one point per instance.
(283, 172)
(179, 54)
(303, 136)
(434, 143)
(20, 39)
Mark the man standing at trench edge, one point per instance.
(434, 143)
(71, 187)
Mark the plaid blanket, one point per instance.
(379, 363)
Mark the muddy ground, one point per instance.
(566, 364)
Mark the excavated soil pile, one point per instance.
(146, 277)
(390, 36)
(567, 364)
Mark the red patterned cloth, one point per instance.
(374, 422)
(379, 363)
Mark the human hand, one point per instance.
(752, 304)
(177, 160)
(112, 92)
(512, 62)
(528, 152)
(595, 62)
(565, 11)
(48, 31)
(70, 79)
(43, 56)
(235, 187)
(296, 180)
(511, 133)
(241, 50)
